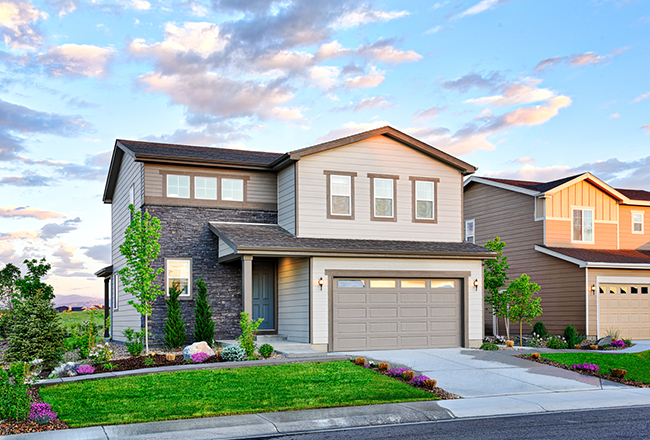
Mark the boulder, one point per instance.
(197, 347)
(69, 369)
(607, 340)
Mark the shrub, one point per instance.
(408, 375)
(430, 384)
(174, 325)
(628, 342)
(248, 332)
(204, 326)
(570, 336)
(586, 366)
(149, 361)
(383, 366)
(199, 357)
(14, 399)
(41, 413)
(360, 361)
(266, 350)
(534, 355)
(101, 353)
(109, 366)
(540, 329)
(613, 333)
(233, 353)
(85, 369)
(5, 320)
(618, 372)
(556, 343)
(489, 346)
(84, 337)
(134, 341)
(418, 381)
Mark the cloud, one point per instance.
(52, 230)
(99, 252)
(66, 266)
(367, 103)
(383, 50)
(18, 24)
(459, 143)
(524, 160)
(433, 30)
(515, 94)
(430, 113)
(26, 180)
(578, 59)
(80, 103)
(77, 60)
(642, 97)
(364, 15)
(350, 128)
(614, 115)
(491, 81)
(27, 212)
(372, 79)
(647, 127)
(482, 6)
(64, 6)
(324, 77)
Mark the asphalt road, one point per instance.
(626, 423)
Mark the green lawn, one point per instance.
(636, 364)
(224, 392)
(68, 318)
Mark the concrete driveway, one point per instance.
(480, 373)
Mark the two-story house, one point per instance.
(355, 243)
(585, 243)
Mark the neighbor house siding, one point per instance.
(293, 298)
(628, 240)
(558, 234)
(581, 194)
(131, 174)
(378, 155)
(287, 198)
(225, 249)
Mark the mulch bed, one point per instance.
(632, 383)
(25, 426)
(137, 363)
(438, 392)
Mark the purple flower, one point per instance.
(618, 344)
(367, 366)
(418, 381)
(199, 357)
(41, 413)
(396, 372)
(85, 369)
(585, 366)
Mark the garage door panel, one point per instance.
(383, 327)
(413, 312)
(383, 342)
(417, 327)
(352, 313)
(382, 298)
(410, 298)
(352, 328)
(443, 312)
(377, 312)
(352, 343)
(414, 341)
(351, 298)
(622, 308)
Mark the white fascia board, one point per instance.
(632, 202)
(513, 188)
(595, 181)
(546, 251)
(592, 265)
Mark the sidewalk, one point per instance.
(294, 422)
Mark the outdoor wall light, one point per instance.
(593, 289)
(476, 284)
(321, 282)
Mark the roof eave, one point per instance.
(202, 162)
(114, 171)
(518, 189)
(379, 253)
(591, 264)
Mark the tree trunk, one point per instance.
(521, 335)
(146, 334)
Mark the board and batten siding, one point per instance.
(293, 299)
(261, 191)
(558, 234)
(378, 155)
(584, 194)
(510, 215)
(627, 239)
(320, 306)
(287, 198)
(131, 174)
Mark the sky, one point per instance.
(525, 89)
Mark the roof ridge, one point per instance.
(198, 147)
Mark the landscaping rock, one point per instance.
(68, 369)
(197, 347)
(607, 340)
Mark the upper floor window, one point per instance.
(583, 225)
(178, 186)
(383, 195)
(340, 194)
(179, 274)
(637, 223)
(232, 189)
(205, 188)
(470, 232)
(424, 191)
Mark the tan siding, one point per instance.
(377, 155)
(293, 298)
(287, 199)
(131, 173)
(628, 240)
(510, 215)
(582, 194)
(558, 233)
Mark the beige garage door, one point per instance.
(384, 314)
(625, 307)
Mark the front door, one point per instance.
(264, 294)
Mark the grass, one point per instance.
(96, 316)
(223, 392)
(636, 364)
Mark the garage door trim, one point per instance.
(463, 276)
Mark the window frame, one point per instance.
(351, 176)
(642, 214)
(216, 188)
(414, 180)
(189, 186)
(189, 275)
(473, 222)
(243, 189)
(373, 216)
(582, 226)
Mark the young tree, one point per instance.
(31, 283)
(141, 248)
(523, 306)
(495, 277)
(204, 326)
(8, 277)
(175, 326)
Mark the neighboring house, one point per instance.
(62, 309)
(585, 243)
(351, 244)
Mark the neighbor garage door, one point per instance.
(383, 314)
(625, 307)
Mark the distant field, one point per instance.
(97, 316)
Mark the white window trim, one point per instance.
(391, 198)
(243, 189)
(216, 188)
(473, 222)
(593, 223)
(189, 186)
(189, 275)
(348, 195)
(432, 200)
(642, 213)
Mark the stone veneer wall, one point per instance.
(185, 234)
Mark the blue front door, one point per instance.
(264, 294)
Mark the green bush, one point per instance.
(5, 320)
(175, 325)
(134, 341)
(628, 342)
(83, 336)
(249, 330)
(556, 343)
(204, 326)
(570, 336)
(233, 353)
(489, 346)
(14, 397)
(540, 329)
(266, 350)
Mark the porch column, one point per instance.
(247, 283)
(107, 282)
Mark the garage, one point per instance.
(394, 313)
(625, 306)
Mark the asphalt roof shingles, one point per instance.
(623, 256)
